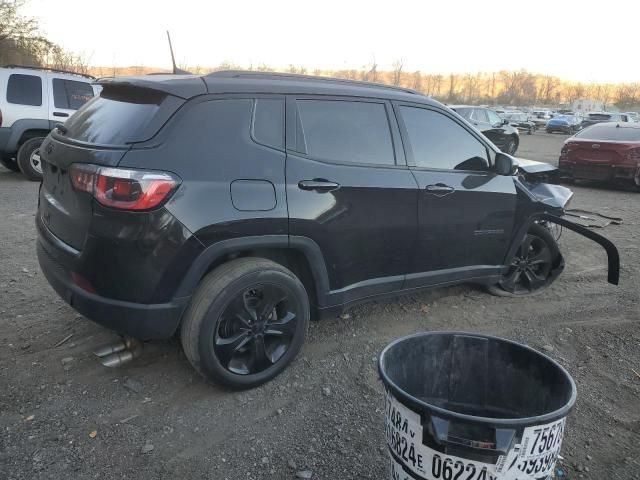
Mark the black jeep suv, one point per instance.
(236, 206)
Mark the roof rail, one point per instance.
(57, 70)
(296, 76)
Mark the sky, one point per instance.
(586, 40)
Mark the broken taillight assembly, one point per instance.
(124, 189)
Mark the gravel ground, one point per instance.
(63, 415)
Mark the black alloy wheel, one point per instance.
(536, 264)
(256, 329)
(246, 322)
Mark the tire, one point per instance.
(9, 163)
(223, 334)
(511, 146)
(538, 239)
(29, 159)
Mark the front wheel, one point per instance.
(29, 159)
(511, 146)
(246, 322)
(535, 266)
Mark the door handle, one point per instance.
(439, 189)
(319, 185)
(60, 114)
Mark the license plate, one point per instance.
(404, 438)
(533, 458)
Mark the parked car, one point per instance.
(492, 126)
(568, 124)
(234, 206)
(520, 121)
(540, 117)
(601, 117)
(32, 102)
(607, 151)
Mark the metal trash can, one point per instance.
(463, 406)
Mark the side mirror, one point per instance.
(505, 122)
(505, 165)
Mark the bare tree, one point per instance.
(397, 71)
(417, 81)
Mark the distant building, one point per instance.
(585, 105)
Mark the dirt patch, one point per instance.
(62, 415)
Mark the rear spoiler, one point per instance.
(182, 86)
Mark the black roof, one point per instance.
(187, 86)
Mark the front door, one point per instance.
(466, 212)
(350, 191)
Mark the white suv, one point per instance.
(32, 102)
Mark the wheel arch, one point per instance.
(301, 255)
(25, 129)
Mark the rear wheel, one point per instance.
(29, 159)
(9, 163)
(534, 266)
(246, 322)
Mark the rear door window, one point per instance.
(71, 94)
(24, 89)
(346, 131)
(268, 122)
(436, 141)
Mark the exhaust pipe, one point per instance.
(119, 353)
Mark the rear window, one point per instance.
(120, 115)
(24, 89)
(599, 116)
(346, 131)
(607, 132)
(464, 112)
(71, 94)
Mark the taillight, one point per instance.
(122, 188)
(634, 154)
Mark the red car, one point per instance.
(605, 151)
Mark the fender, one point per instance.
(613, 257)
(308, 247)
(21, 126)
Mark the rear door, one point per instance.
(465, 211)
(66, 96)
(350, 191)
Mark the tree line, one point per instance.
(21, 42)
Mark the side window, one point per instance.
(480, 115)
(268, 122)
(59, 94)
(78, 93)
(70, 94)
(346, 131)
(494, 118)
(24, 89)
(436, 141)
